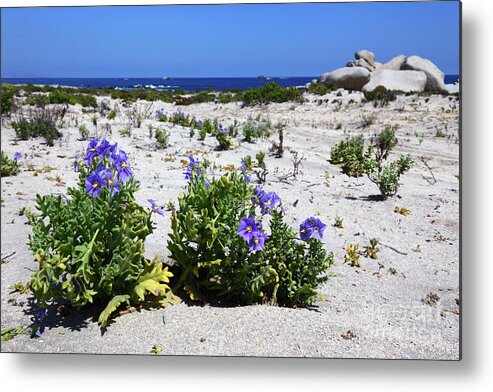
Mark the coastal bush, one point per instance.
(350, 154)
(224, 139)
(224, 250)
(7, 93)
(318, 88)
(90, 245)
(162, 138)
(356, 161)
(9, 167)
(253, 131)
(59, 96)
(380, 96)
(387, 175)
(271, 92)
(42, 122)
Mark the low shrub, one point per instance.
(162, 138)
(380, 96)
(224, 249)
(355, 160)
(271, 92)
(9, 167)
(90, 245)
(350, 154)
(224, 139)
(7, 93)
(318, 88)
(42, 122)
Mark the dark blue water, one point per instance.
(175, 83)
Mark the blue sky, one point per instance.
(222, 40)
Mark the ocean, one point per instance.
(186, 84)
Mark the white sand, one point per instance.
(385, 311)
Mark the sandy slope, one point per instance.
(380, 303)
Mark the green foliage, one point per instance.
(387, 175)
(9, 167)
(355, 160)
(318, 88)
(111, 115)
(380, 96)
(372, 250)
(352, 255)
(7, 93)
(339, 222)
(351, 155)
(214, 261)
(271, 92)
(162, 138)
(83, 132)
(10, 333)
(60, 96)
(43, 122)
(224, 139)
(91, 249)
(384, 143)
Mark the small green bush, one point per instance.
(162, 138)
(83, 132)
(7, 93)
(224, 139)
(387, 176)
(380, 96)
(215, 259)
(350, 154)
(9, 167)
(271, 92)
(318, 88)
(43, 122)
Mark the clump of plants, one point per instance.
(230, 242)
(90, 245)
(42, 122)
(162, 138)
(224, 139)
(380, 96)
(253, 130)
(356, 160)
(10, 167)
(351, 155)
(271, 92)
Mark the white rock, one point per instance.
(395, 64)
(407, 81)
(435, 77)
(366, 55)
(349, 78)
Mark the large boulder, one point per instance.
(366, 55)
(408, 81)
(434, 77)
(395, 64)
(349, 78)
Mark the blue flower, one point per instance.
(95, 182)
(194, 164)
(106, 149)
(248, 228)
(155, 208)
(269, 202)
(248, 176)
(17, 156)
(91, 151)
(122, 166)
(76, 162)
(312, 228)
(257, 242)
